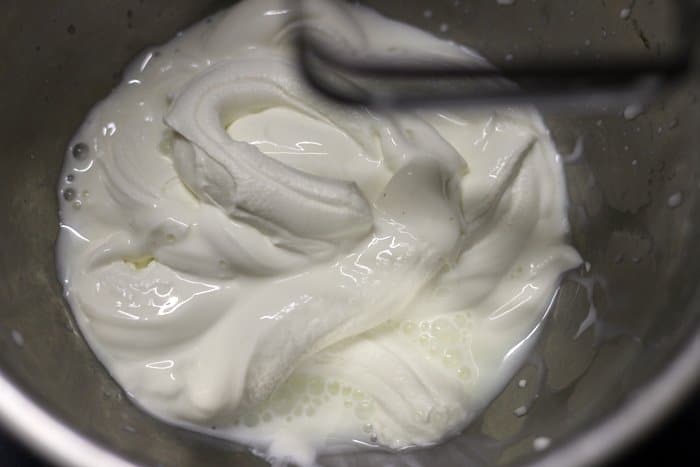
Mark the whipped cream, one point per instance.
(254, 262)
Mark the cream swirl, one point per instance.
(237, 177)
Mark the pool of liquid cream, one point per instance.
(254, 262)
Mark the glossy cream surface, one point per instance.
(252, 261)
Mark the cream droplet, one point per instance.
(541, 443)
(17, 337)
(675, 200)
(632, 111)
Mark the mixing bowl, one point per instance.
(621, 346)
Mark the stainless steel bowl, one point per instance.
(634, 212)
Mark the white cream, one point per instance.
(304, 277)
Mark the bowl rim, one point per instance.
(635, 418)
(48, 436)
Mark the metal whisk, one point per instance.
(356, 80)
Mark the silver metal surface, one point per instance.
(634, 212)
